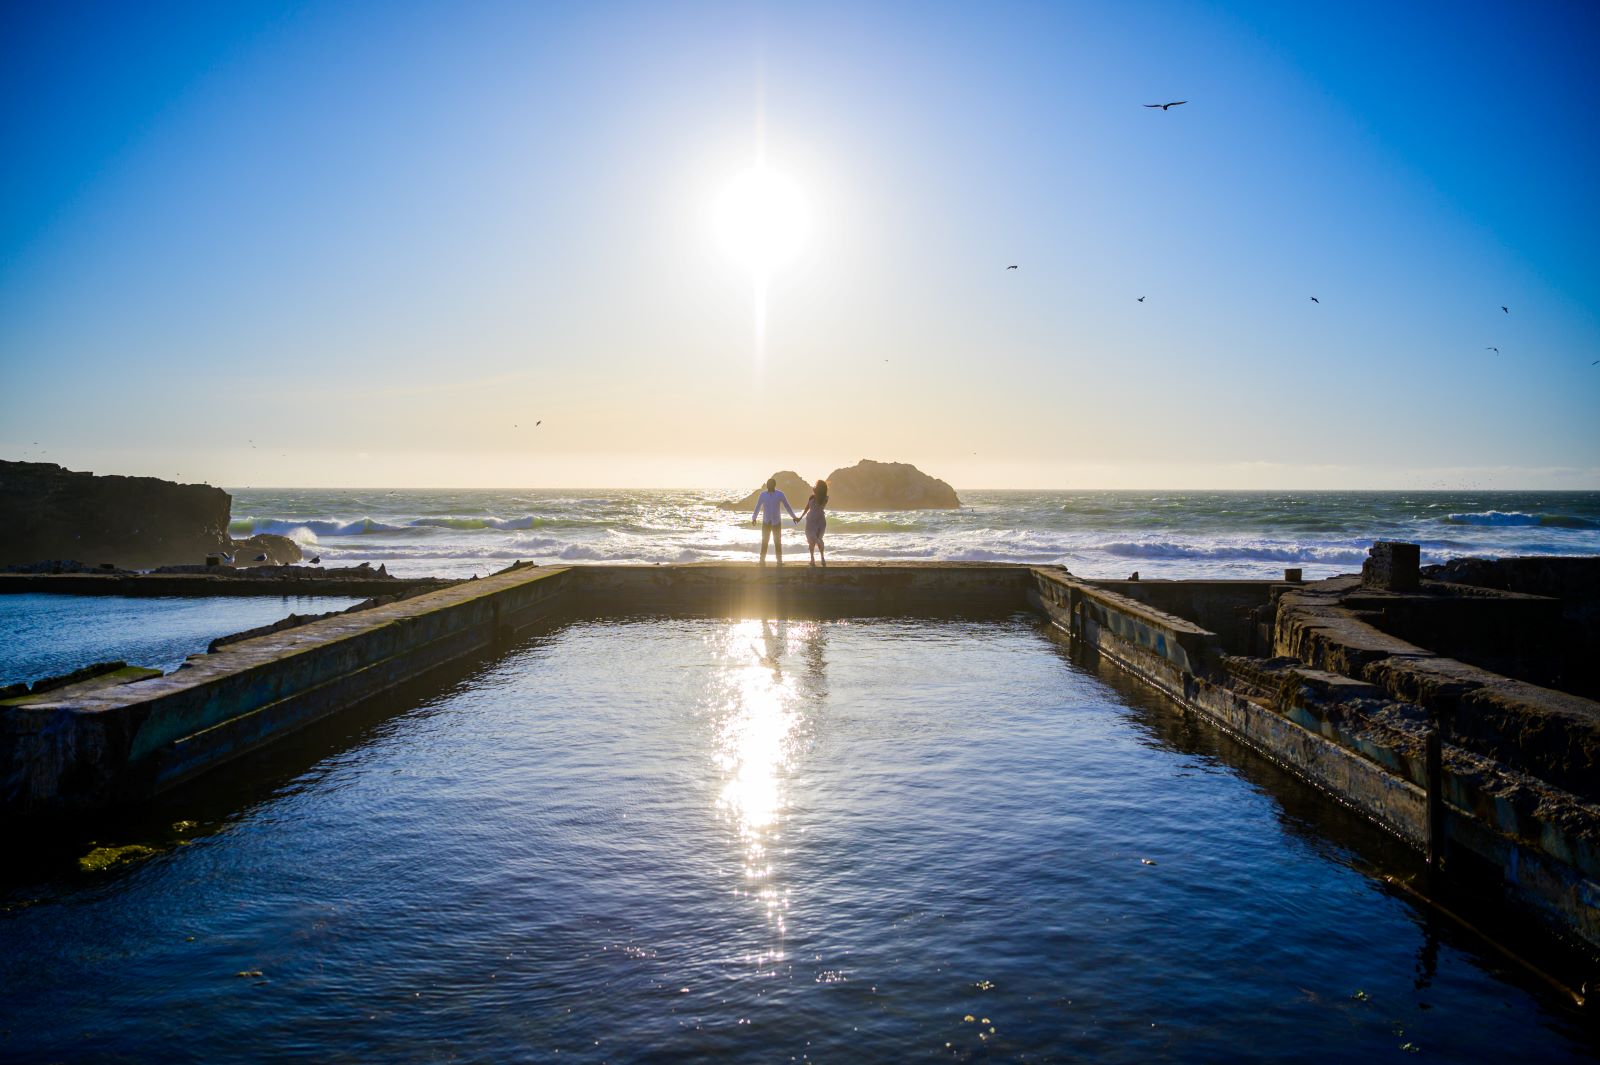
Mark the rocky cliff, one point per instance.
(47, 512)
(867, 485)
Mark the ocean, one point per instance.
(1103, 534)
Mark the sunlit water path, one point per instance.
(747, 840)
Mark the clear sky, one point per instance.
(373, 244)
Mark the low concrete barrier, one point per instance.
(1359, 741)
(846, 589)
(89, 745)
(134, 733)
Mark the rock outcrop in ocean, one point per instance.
(133, 522)
(867, 485)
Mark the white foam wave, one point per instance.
(1216, 552)
(316, 527)
(1513, 518)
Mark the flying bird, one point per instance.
(1495, 350)
(316, 560)
(1141, 299)
(1503, 307)
(1164, 107)
(1315, 300)
(1012, 267)
(537, 424)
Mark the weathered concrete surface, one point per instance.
(1176, 647)
(1391, 566)
(1506, 632)
(87, 745)
(1573, 582)
(843, 589)
(1364, 738)
(1551, 735)
(1229, 608)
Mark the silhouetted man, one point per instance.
(766, 512)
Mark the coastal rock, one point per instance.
(130, 522)
(867, 485)
(870, 485)
(790, 484)
(280, 550)
(135, 522)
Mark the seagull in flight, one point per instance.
(1165, 107)
(1315, 300)
(1011, 267)
(1495, 350)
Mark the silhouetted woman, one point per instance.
(816, 521)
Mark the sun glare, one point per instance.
(762, 219)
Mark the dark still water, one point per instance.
(757, 841)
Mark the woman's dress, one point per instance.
(816, 521)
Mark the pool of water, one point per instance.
(680, 839)
(48, 635)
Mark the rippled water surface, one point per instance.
(47, 635)
(748, 840)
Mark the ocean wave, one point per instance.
(527, 521)
(1509, 518)
(317, 527)
(838, 523)
(979, 554)
(1327, 555)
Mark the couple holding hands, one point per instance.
(766, 512)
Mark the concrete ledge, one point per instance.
(1175, 645)
(91, 743)
(86, 745)
(1548, 734)
(842, 589)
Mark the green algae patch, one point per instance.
(102, 858)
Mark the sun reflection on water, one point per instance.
(760, 725)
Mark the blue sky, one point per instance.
(370, 244)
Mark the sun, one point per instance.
(762, 219)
